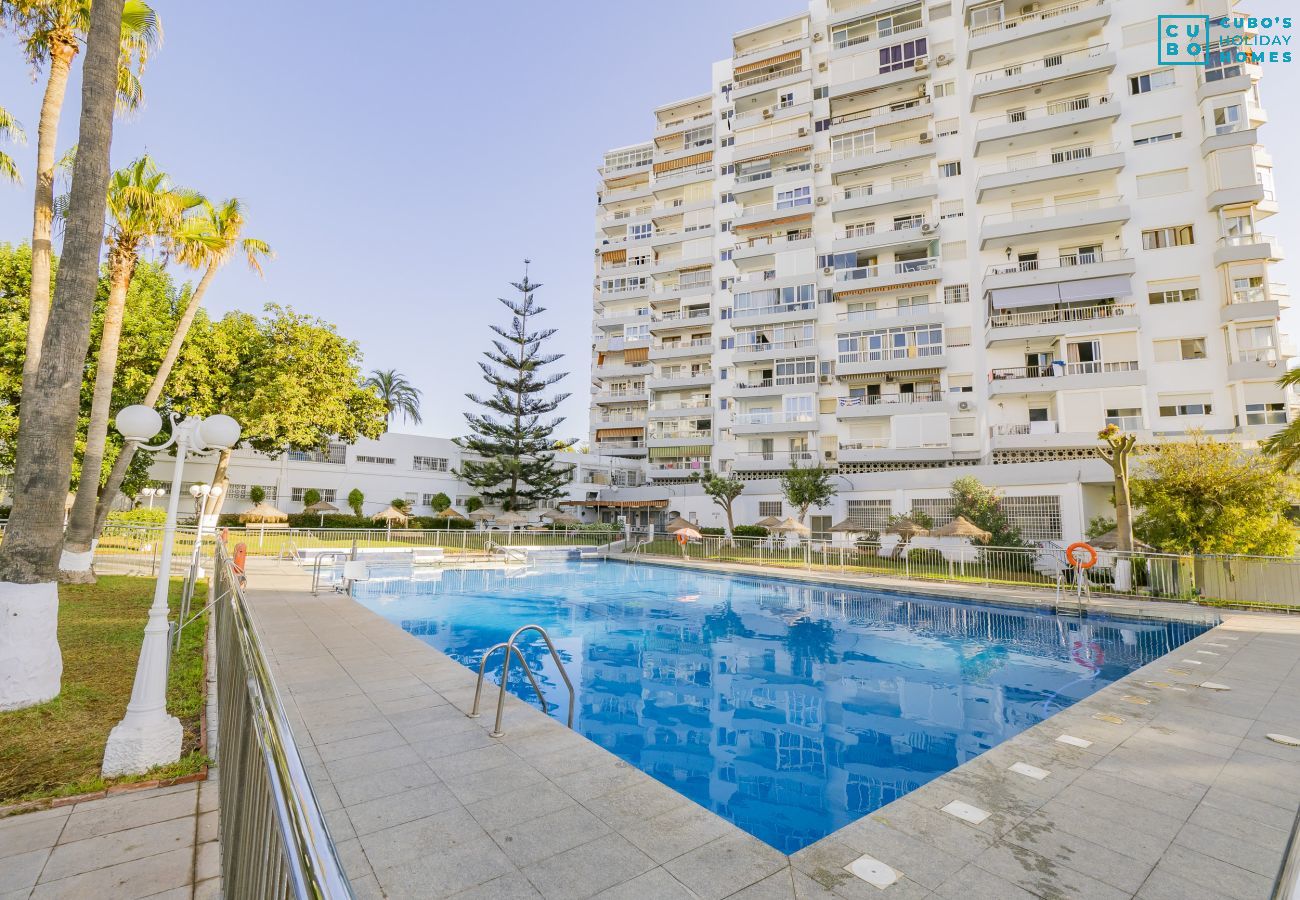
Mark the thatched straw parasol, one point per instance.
(559, 517)
(906, 528)
(961, 527)
(448, 513)
(677, 525)
(848, 525)
(390, 515)
(791, 524)
(263, 512)
(482, 515)
(1110, 541)
(769, 522)
(509, 520)
(322, 507)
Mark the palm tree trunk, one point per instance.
(122, 464)
(74, 565)
(62, 53)
(212, 505)
(30, 662)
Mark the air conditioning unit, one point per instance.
(828, 270)
(817, 36)
(921, 64)
(965, 406)
(1030, 8)
(942, 59)
(927, 138)
(768, 112)
(826, 379)
(817, 167)
(829, 454)
(822, 67)
(803, 132)
(821, 201)
(929, 227)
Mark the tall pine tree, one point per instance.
(513, 466)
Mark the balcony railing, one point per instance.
(776, 418)
(673, 124)
(1126, 423)
(894, 32)
(1057, 316)
(751, 177)
(621, 444)
(698, 344)
(880, 147)
(772, 240)
(1052, 158)
(620, 394)
(1259, 294)
(771, 45)
(1064, 261)
(692, 433)
(890, 312)
(1244, 240)
(1050, 61)
(1070, 207)
(775, 308)
(1022, 428)
(889, 399)
(788, 456)
(881, 109)
(778, 381)
(860, 191)
(1033, 114)
(899, 267)
(664, 406)
(1040, 15)
(866, 444)
(798, 204)
(768, 76)
(773, 346)
(889, 354)
(636, 416)
(678, 315)
(684, 376)
(613, 314)
(704, 169)
(1259, 354)
(1057, 370)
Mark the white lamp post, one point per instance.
(147, 736)
(152, 492)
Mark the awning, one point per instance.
(768, 223)
(775, 153)
(614, 256)
(764, 63)
(888, 287)
(897, 375)
(617, 504)
(603, 433)
(1112, 286)
(675, 452)
(636, 354)
(683, 162)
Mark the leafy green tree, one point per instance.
(309, 497)
(982, 505)
(10, 130)
(473, 504)
(1099, 525)
(440, 501)
(356, 501)
(1284, 446)
(1208, 496)
(807, 487)
(398, 394)
(916, 516)
(723, 492)
(514, 465)
(401, 504)
(1117, 449)
(256, 494)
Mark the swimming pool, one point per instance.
(789, 708)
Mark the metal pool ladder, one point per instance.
(510, 647)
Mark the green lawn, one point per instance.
(56, 749)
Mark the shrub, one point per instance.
(754, 531)
(439, 502)
(142, 516)
(474, 504)
(925, 556)
(310, 496)
(441, 524)
(257, 494)
(356, 501)
(717, 532)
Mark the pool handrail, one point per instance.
(505, 676)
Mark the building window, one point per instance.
(950, 169)
(769, 508)
(821, 93)
(901, 56)
(640, 232)
(376, 460)
(870, 515)
(945, 127)
(1126, 418)
(800, 196)
(956, 293)
(1037, 518)
(940, 509)
(326, 494)
(1265, 413)
(1172, 236)
(429, 464)
(1150, 81)
(951, 209)
(240, 492)
(821, 527)
(1174, 295)
(1180, 349)
(945, 89)
(1193, 406)
(335, 454)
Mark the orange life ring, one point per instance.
(683, 538)
(1086, 548)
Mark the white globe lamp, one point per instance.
(219, 432)
(138, 422)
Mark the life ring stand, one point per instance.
(1086, 548)
(683, 538)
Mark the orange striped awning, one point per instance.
(768, 223)
(764, 63)
(889, 287)
(636, 354)
(615, 256)
(762, 156)
(603, 433)
(695, 159)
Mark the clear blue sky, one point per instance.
(404, 162)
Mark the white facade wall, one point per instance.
(969, 238)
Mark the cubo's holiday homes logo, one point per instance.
(1186, 40)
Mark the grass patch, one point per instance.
(56, 749)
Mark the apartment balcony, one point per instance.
(639, 191)
(749, 184)
(1047, 435)
(760, 213)
(663, 266)
(773, 422)
(1242, 195)
(675, 319)
(901, 361)
(669, 409)
(1072, 267)
(886, 275)
(686, 121)
(1022, 325)
(770, 79)
(1235, 79)
(769, 39)
(607, 344)
(674, 178)
(888, 315)
(1261, 304)
(699, 347)
(1052, 222)
(684, 380)
(881, 115)
(773, 387)
(1253, 247)
(1065, 377)
(774, 314)
(664, 470)
(620, 370)
(915, 236)
(773, 350)
(607, 318)
(884, 450)
(631, 447)
(1012, 82)
(882, 198)
(671, 438)
(883, 405)
(1050, 172)
(608, 398)
(772, 460)
(883, 153)
(671, 236)
(1257, 365)
(767, 141)
(621, 417)
(1025, 128)
(861, 71)
(624, 293)
(1036, 32)
(758, 248)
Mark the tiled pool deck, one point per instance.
(1178, 795)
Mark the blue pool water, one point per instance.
(789, 708)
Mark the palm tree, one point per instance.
(206, 240)
(398, 394)
(143, 207)
(1285, 445)
(30, 663)
(51, 32)
(10, 130)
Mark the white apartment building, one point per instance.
(412, 467)
(912, 240)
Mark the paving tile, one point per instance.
(657, 884)
(1042, 876)
(1270, 813)
(74, 857)
(1084, 856)
(589, 869)
(725, 865)
(549, 835)
(137, 878)
(1235, 849)
(407, 806)
(670, 834)
(933, 827)
(19, 871)
(22, 834)
(207, 861)
(105, 816)
(511, 886)
(1213, 875)
(509, 778)
(919, 860)
(364, 788)
(624, 807)
(777, 886)
(599, 779)
(973, 883)
(1164, 885)
(508, 809)
(369, 763)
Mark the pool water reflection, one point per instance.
(789, 708)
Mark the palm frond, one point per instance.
(9, 169)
